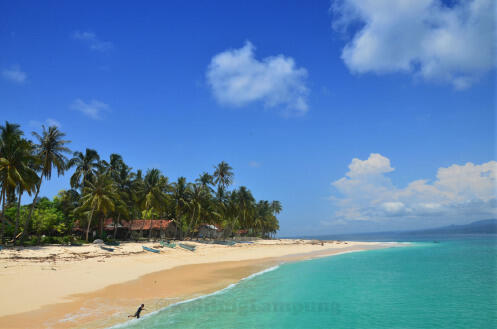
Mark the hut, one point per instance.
(153, 228)
(209, 231)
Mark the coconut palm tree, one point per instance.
(276, 207)
(154, 198)
(205, 180)
(86, 167)
(29, 178)
(223, 175)
(123, 179)
(98, 197)
(181, 197)
(15, 172)
(246, 203)
(199, 199)
(50, 152)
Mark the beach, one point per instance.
(87, 287)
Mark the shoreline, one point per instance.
(141, 277)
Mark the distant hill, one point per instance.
(482, 226)
(487, 226)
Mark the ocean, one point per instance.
(450, 283)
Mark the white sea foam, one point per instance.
(218, 292)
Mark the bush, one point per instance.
(67, 240)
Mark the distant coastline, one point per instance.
(487, 226)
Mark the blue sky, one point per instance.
(289, 94)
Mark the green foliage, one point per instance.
(47, 219)
(110, 189)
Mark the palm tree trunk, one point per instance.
(25, 233)
(180, 224)
(89, 222)
(18, 217)
(150, 229)
(115, 226)
(101, 226)
(195, 224)
(3, 215)
(190, 225)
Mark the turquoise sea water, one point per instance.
(451, 284)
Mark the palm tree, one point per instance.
(15, 172)
(276, 207)
(154, 198)
(86, 167)
(199, 197)
(223, 175)
(246, 203)
(29, 178)
(205, 180)
(180, 196)
(98, 196)
(123, 179)
(50, 152)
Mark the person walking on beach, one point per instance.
(138, 311)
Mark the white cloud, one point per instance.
(48, 122)
(254, 164)
(14, 74)
(93, 41)
(92, 109)
(375, 164)
(52, 122)
(454, 44)
(366, 193)
(237, 78)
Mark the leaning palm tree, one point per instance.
(98, 196)
(10, 134)
(50, 152)
(15, 171)
(29, 178)
(86, 167)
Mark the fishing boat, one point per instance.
(151, 249)
(167, 244)
(187, 246)
(225, 243)
(245, 242)
(106, 248)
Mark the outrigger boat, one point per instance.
(225, 243)
(106, 248)
(151, 249)
(187, 246)
(167, 244)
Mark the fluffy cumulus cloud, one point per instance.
(92, 109)
(453, 43)
(237, 78)
(367, 193)
(14, 74)
(92, 41)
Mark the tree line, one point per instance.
(101, 189)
